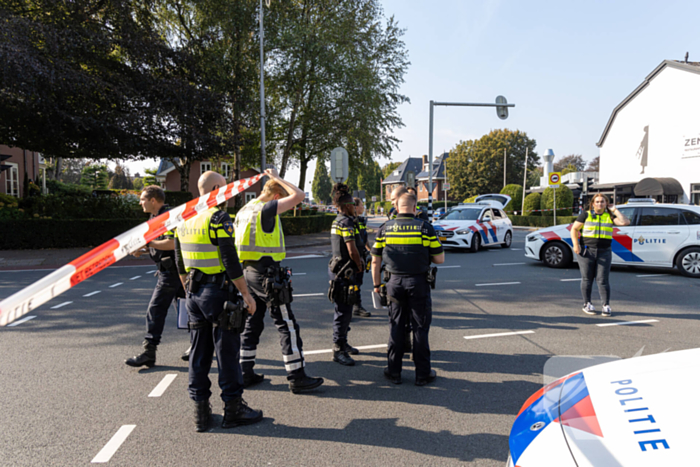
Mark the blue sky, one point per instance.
(565, 65)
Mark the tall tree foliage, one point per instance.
(575, 160)
(93, 78)
(322, 184)
(476, 167)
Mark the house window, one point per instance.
(226, 170)
(12, 180)
(695, 194)
(204, 167)
(249, 196)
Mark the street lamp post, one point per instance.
(263, 162)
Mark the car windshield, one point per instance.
(462, 215)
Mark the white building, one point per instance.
(651, 143)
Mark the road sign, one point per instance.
(445, 186)
(554, 178)
(501, 111)
(339, 165)
(374, 199)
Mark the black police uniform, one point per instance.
(167, 289)
(290, 337)
(342, 231)
(406, 245)
(361, 239)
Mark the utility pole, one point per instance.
(522, 209)
(263, 162)
(504, 167)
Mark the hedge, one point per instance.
(516, 197)
(565, 199)
(31, 234)
(176, 198)
(532, 203)
(302, 225)
(540, 221)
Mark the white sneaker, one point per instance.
(606, 310)
(589, 309)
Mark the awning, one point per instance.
(658, 186)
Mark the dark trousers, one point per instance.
(341, 318)
(290, 338)
(415, 306)
(359, 278)
(203, 309)
(167, 288)
(595, 264)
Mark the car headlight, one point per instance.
(535, 237)
(463, 232)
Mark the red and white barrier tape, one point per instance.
(112, 251)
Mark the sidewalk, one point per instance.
(55, 258)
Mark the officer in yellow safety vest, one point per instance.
(260, 244)
(209, 269)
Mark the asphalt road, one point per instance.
(65, 391)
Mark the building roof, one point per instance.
(438, 168)
(164, 167)
(412, 164)
(692, 67)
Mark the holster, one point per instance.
(383, 296)
(232, 318)
(432, 276)
(343, 292)
(277, 285)
(368, 261)
(193, 280)
(166, 264)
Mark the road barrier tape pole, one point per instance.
(112, 251)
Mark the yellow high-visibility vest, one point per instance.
(598, 226)
(197, 250)
(252, 242)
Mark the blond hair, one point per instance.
(273, 187)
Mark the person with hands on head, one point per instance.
(209, 268)
(407, 246)
(595, 227)
(260, 245)
(343, 268)
(168, 287)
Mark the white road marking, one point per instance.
(499, 334)
(497, 283)
(92, 293)
(163, 385)
(23, 320)
(151, 272)
(448, 267)
(309, 294)
(508, 264)
(651, 275)
(625, 323)
(361, 347)
(298, 274)
(570, 280)
(134, 278)
(303, 257)
(111, 447)
(115, 285)
(60, 305)
(516, 249)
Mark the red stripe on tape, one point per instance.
(93, 262)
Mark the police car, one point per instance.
(659, 235)
(477, 224)
(633, 412)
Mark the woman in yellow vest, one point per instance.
(595, 226)
(260, 245)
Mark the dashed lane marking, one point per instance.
(508, 264)
(92, 293)
(516, 249)
(134, 278)
(651, 275)
(23, 320)
(111, 447)
(61, 305)
(497, 283)
(448, 267)
(298, 274)
(360, 347)
(151, 272)
(570, 280)
(499, 334)
(115, 285)
(627, 323)
(163, 385)
(309, 294)
(304, 257)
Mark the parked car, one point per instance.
(437, 213)
(659, 235)
(478, 224)
(633, 412)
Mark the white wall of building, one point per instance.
(670, 107)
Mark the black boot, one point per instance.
(303, 383)
(252, 378)
(186, 356)
(358, 310)
(202, 415)
(237, 412)
(147, 358)
(351, 350)
(341, 356)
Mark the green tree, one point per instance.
(532, 204)
(516, 197)
(571, 168)
(322, 184)
(390, 167)
(594, 165)
(565, 201)
(369, 180)
(476, 167)
(95, 176)
(534, 175)
(121, 180)
(138, 183)
(575, 160)
(150, 177)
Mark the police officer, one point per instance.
(205, 250)
(395, 194)
(260, 244)
(420, 213)
(161, 250)
(343, 268)
(361, 242)
(407, 245)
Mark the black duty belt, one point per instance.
(209, 278)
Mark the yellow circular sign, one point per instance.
(554, 178)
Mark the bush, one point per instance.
(176, 198)
(516, 197)
(540, 221)
(59, 188)
(64, 233)
(83, 206)
(532, 204)
(439, 204)
(471, 199)
(9, 207)
(565, 200)
(302, 225)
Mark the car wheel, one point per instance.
(688, 262)
(476, 242)
(556, 255)
(507, 240)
